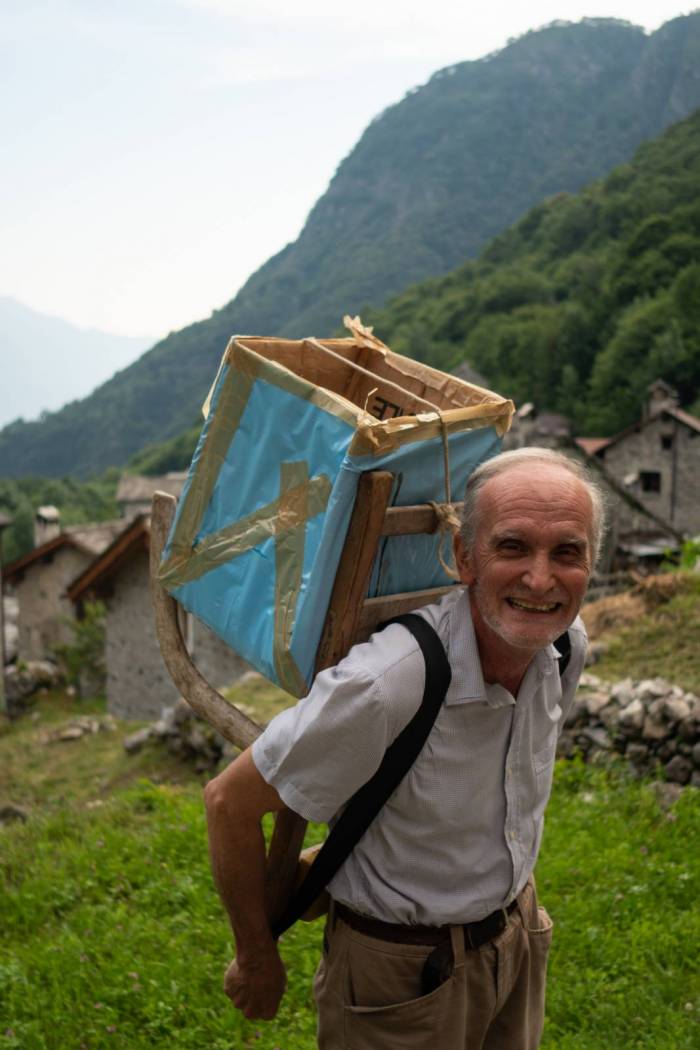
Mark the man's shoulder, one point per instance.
(578, 634)
(390, 649)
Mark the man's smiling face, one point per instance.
(532, 557)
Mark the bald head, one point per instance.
(543, 467)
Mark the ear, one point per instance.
(462, 561)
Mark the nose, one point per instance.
(538, 576)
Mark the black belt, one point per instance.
(475, 933)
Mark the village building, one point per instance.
(135, 491)
(138, 684)
(39, 580)
(657, 460)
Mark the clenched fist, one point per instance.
(255, 983)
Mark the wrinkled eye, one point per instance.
(511, 547)
(570, 552)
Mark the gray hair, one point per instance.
(524, 456)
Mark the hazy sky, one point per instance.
(156, 152)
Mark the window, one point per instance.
(667, 441)
(651, 480)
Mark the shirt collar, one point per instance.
(467, 679)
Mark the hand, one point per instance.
(255, 984)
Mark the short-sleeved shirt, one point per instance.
(459, 836)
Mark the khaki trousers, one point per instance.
(368, 990)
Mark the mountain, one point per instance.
(46, 362)
(429, 182)
(585, 301)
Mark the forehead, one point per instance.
(538, 496)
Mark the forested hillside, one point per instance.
(78, 502)
(585, 301)
(429, 182)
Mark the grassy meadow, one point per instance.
(112, 936)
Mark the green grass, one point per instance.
(113, 936)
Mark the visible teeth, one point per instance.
(533, 608)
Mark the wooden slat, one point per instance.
(352, 577)
(339, 633)
(376, 610)
(411, 521)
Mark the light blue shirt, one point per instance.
(459, 836)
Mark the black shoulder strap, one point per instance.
(366, 803)
(563, 644)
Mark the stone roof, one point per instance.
(91, 539)
(137, 488)
(592, 445)
(94, 538)
(134, 534)
(667, 410)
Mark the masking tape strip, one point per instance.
(231, 405)
(302, 502)
(294, 511)
(378, 438)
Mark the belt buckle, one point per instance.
(496, 923)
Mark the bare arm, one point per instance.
(235, 803)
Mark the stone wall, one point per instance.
(653, 723)
(678, 500)
(43, 606)
(138, 684)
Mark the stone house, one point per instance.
(135, 491)
(657, 460)
(138, 684)
(39, 580)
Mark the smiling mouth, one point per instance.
(535, 607)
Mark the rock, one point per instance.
(623, 692)
(577, 713)
(196, 739)
(688, 729)
(667, 750)
(609, 717)
(136, 741)
(589, 681)
(598, 737)
(696, 754)
(652, 688)
(653, 730)
(679, 770)
(71, 733)
(632, 716)
(674, 709)
(638, 754)
(566, 748)
(22, 682)
(595, 702)
(695, 779)
(9, 813)
(249, 676)
(182, 712)
(666, 794)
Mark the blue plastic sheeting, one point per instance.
(238, 598)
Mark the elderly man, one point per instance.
(444, 873)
